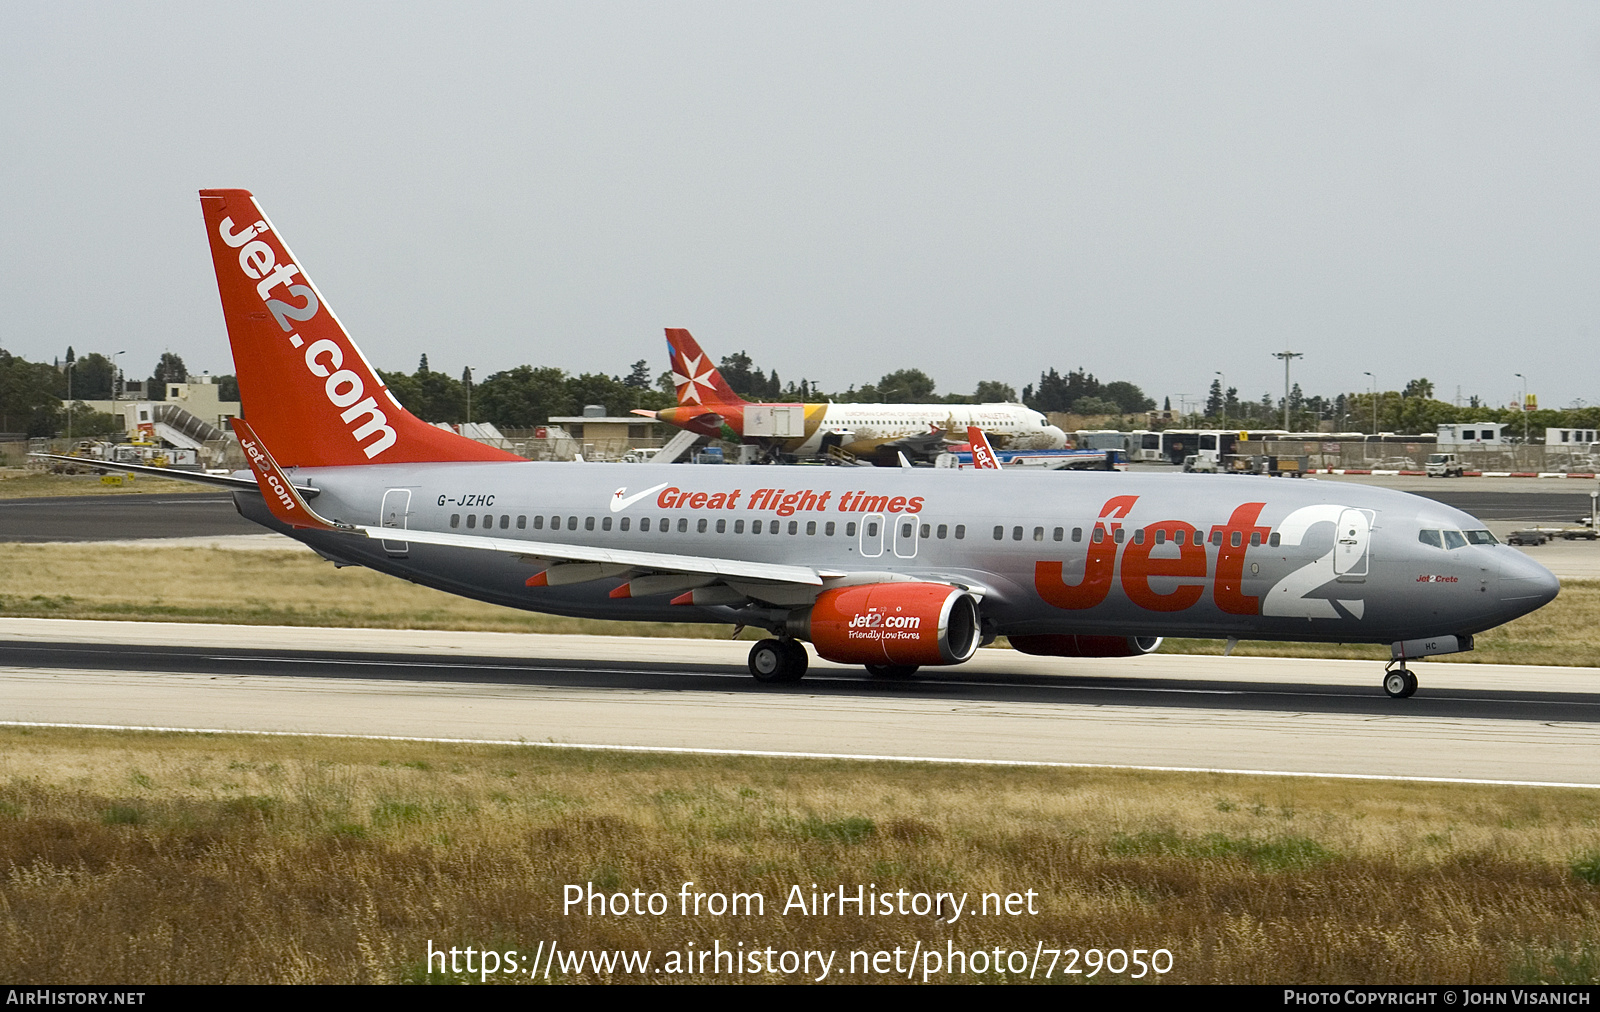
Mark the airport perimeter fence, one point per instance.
(1350, 455)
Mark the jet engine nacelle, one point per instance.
(902, 624)
(1053, 645)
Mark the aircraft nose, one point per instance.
(1524, 584)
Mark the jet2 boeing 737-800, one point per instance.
(888, 568)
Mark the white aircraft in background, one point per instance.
(708, 406)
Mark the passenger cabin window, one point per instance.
(588, 523)
(605, 523)
(522, 523)
(624, 524)
(472, 520)
(1077, 534)
(455, 520)
(1274, 539)
(961, 531)
(999, 533)
(644, 524)
(850, 529)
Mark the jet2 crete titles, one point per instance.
(891, 568)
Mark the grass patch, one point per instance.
(304, 860)
(26, 483)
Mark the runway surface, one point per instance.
(121, 517)
(1472, 722)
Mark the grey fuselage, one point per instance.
(1335, 562)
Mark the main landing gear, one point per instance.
(1399, 682)
(778, 661)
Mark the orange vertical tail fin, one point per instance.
(304, 384)
(983, 457)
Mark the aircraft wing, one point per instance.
(194, 477)
(285, 502)
(923, 445)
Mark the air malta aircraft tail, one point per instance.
(306, 388)
(697, 380)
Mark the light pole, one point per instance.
(1524, 380)
(1224, 398)
(1287, 356)
(1372, 391)
(69, 399)
(466, 377)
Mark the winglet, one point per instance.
(983, 458)
(276, 488)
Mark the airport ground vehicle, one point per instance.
(887, 568)
(1444, 465)
(1197, 463)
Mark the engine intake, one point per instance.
(913, 624)
(1054, 645)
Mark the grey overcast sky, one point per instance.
(1151, 191)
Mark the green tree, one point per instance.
(523, 397)
(92, 377)
(170, 369)
(1128, 398)
(30, 396)
(994, 392)
(906, 386)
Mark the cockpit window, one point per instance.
(1430, 538)
(1455, 539)
(1481, 538)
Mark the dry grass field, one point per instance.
(26, 483)
(148, 858)
(294, 587)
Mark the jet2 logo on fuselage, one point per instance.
(1191, 567)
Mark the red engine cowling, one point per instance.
(912, 624)
(1053, 645)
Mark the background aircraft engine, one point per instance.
(1086, 646)
(907, 624)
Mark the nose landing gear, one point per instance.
(1399, 682)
